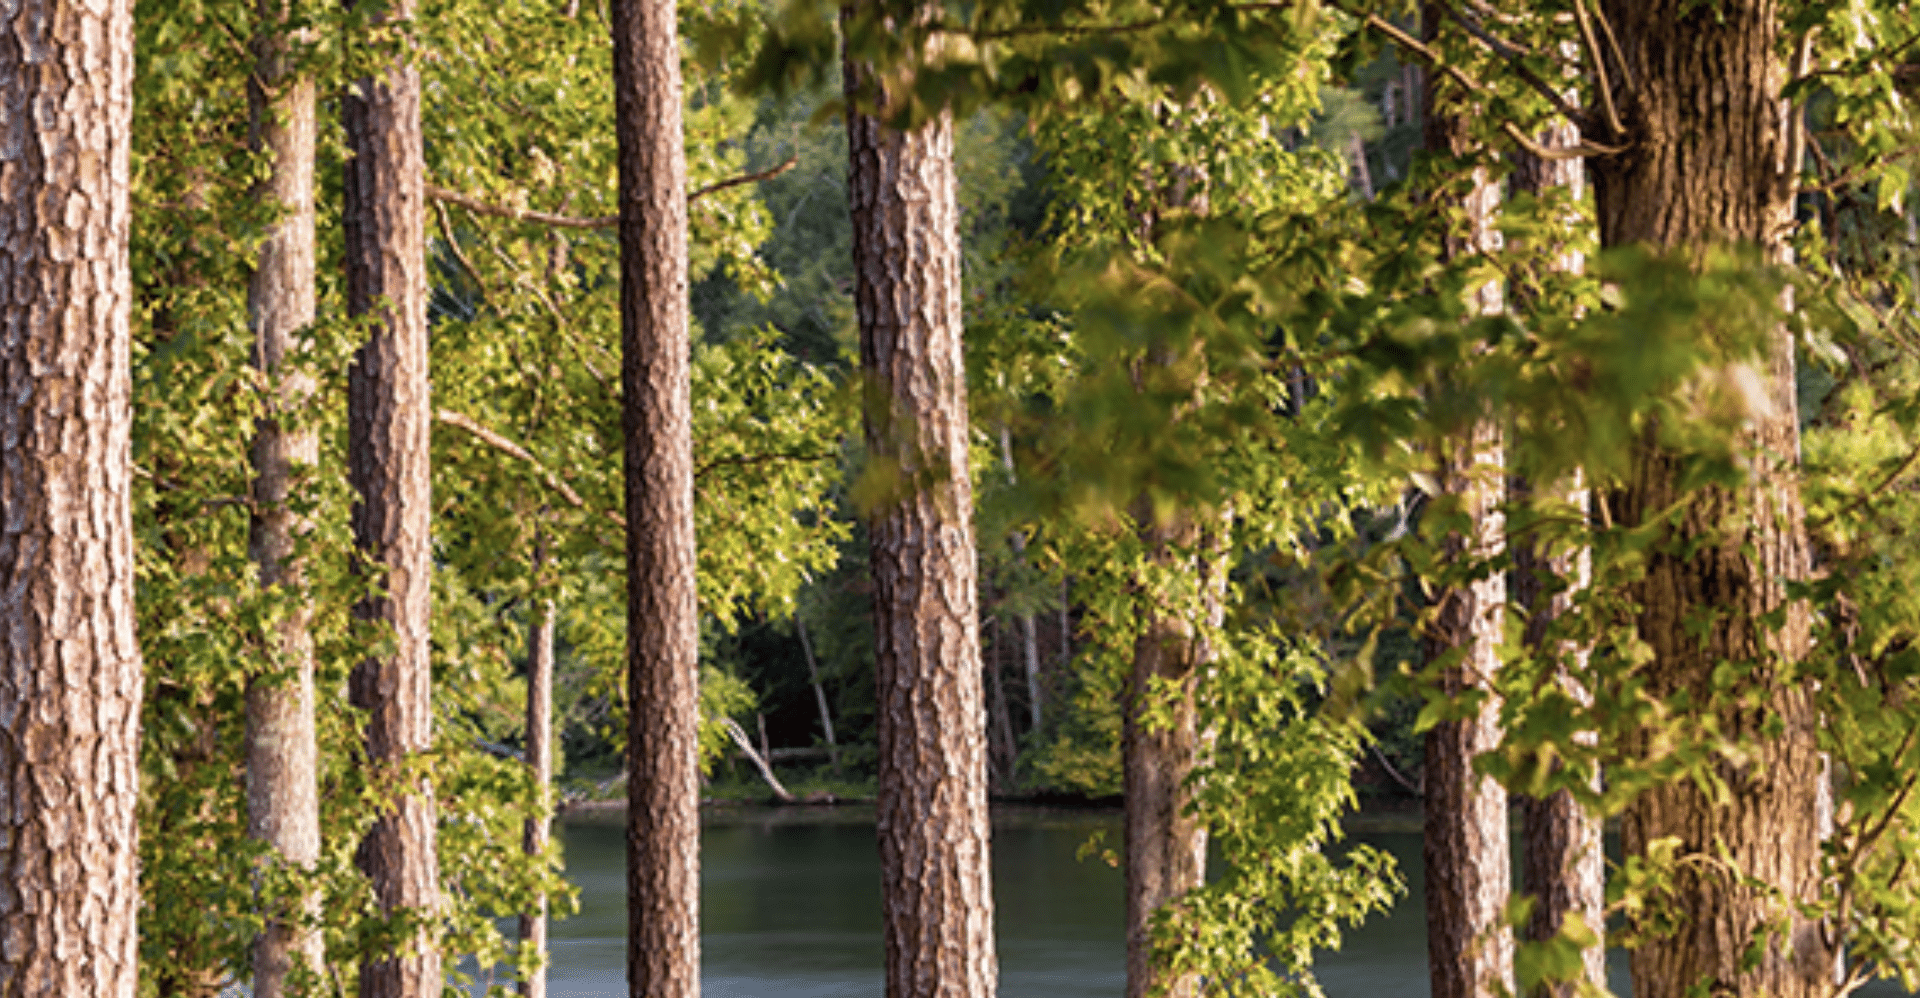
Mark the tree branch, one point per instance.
(759, 762)
(500, 443)
(1602, 83)
(746, 178)
(1514, 55)
(559, 221)
(1433, 60)
(480, 207)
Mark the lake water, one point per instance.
(790, 908)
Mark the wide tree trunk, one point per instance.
(1713, 161)
(70, 677)
(663, 629)
(1166, 847)
(932, 811)
(1564, 868)
(539, 754)
(389, 418)
(1469, 948)
(283, 803)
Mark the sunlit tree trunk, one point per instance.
(1469, 949)
(70, 677)
(539, 756)
(1166, 846)
(1564, 868)
(663, 693)
(389, 419)
(283, 802)
(932, 808)
(1714, 161)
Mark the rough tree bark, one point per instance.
(539, 754)
(1469, 949)
(663, 693)
(1564, 867)
(1713, 160)
(70, 676)
(389, 419)
(1166, 848)
(932, 809)
(283, 802)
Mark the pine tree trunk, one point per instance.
(389, 419)
(1166, 848)
(539, 749)
(70, 675)
(1712, 162)
(283, 802)
(663, 691)
(1564, 866)
(1469, 948)
(932, 808)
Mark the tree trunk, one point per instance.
(663, 629)
(1469, 948)
(819, 694)
(1564, 865)
(1166, 848)
(389, 419)
(932, 808)
(283, 802)
(1029, 634)
(539, 746)
(70, 676)
(1714, 161)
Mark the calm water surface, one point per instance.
(790, 908)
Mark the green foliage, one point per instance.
(1271, 791)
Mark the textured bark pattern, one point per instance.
(1564, 867)
(1712, 162)
(663, 785)
(389, 419)
(932, 713)
(70, 678)
(539, 746)
(1469, 949)
(283, 804)
(1166, 849)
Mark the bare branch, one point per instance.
(746, 178)
(559, 221)
(1472, 85)
(506, 446)
(1602, 83)
(453, 247)
(480, 207)
(1514, 55)
(1579, 150)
